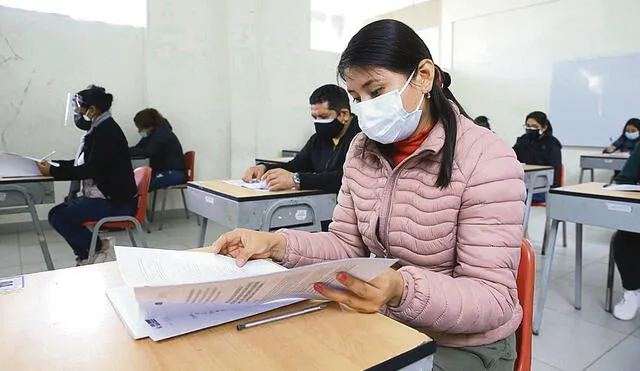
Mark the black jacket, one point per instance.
(319, 163)
(163, 149)
(540, 150)
(106, 161)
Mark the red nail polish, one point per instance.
(342, 277)
(318, 287)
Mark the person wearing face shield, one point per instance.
(101, 170)
(424, 184)
(319, 163)
(538, 146)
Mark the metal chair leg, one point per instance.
(164, 207)
(141, 234)
(184, 202)
(133, 240)
(153, 206)
(564, 234)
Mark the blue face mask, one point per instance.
(632, 136)
(143, 134)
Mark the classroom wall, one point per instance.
(502, 53)
(45, 56)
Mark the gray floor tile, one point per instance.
(10, 271)
(9, 256)
(568, 343)
(624, 357)
(33, 268)
(541, 366)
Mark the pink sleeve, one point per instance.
(481, 295)
(342, 241)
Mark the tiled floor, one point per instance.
(589, 339)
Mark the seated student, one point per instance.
(427, 186)
(629, 138)
(161, 146)
(104, 167)
(626, 249)
(482, 121)
(538, 146)
(319, 163)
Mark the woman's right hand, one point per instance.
(610, 149)
(254, 172)
(245, 244)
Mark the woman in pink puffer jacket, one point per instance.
(425, 185)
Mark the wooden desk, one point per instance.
(20, 195)
(614, 161)
(274, 160)
(586, 203)
(62, 320)
(537, 179)
(238, 207)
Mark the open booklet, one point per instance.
(15, 165)
(622, 187)
(169, 293)
(256, 186)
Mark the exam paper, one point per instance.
(622, 187)
(257, 186)
(159, 328)
(165, 282)
(15, 165)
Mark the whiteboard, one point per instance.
(591, 99)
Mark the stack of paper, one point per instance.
(14, 165)
(169, 293)
(257, 186)
(622, 187)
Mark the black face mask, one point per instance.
(329, 130)
(532, 133)
(80, 122)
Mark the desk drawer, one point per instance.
(41, 192)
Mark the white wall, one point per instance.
(45, 56)
(502, 53)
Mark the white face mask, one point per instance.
(384, 118)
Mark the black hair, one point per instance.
(394, 46)
(148, 118)
(633, 122)
(335, 97)
(542, 119)
(96, 96)
(483, 121)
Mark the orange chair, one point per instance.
(143, 177)
(190, 162)
(525, 283)
(564, 224)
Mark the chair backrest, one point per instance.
(190, 163)
(142, 175)
(525, 283)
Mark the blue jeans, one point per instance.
(539, 197)
(166, 178)
(67, 219)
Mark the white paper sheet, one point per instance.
(256, 186)
(15, 165)
(160, 328)
(166, 282)
(622, 187)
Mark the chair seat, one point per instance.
(538, 204)
(124, 225)
(178, 186)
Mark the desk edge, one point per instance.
(257, 198)
(598, 196)
(407, 358)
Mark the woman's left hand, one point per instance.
(44, 167)
(366, 297)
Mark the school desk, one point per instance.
(613, 161)
(537, 179)
(20, 195)
(62, 320)
(590, 204)
(237, 207)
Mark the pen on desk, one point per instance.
(47, 157)
(279, 317)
